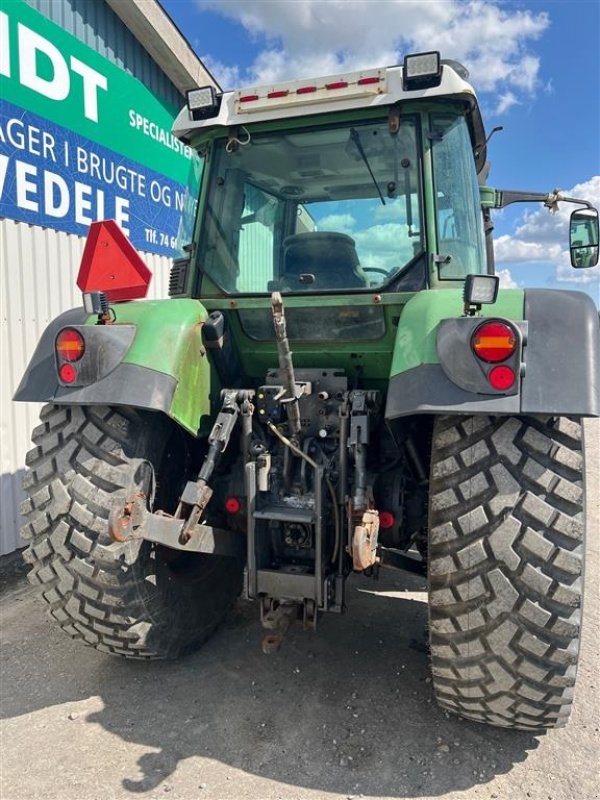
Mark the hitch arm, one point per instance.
(197, 494)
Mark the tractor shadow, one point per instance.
(347, 709)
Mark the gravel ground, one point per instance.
(344, 713)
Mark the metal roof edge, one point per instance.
(165, 43)
(451, 86)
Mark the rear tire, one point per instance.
(506, 567)
(130, 599)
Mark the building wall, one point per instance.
(97, 25)
(39, 265)
(39, 270)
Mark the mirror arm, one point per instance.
(505, 197)
(576, 200)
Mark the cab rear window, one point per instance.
(362, 323)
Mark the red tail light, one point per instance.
(306, 90)
(67, 373)
(70, 345)
(278, 93)
(248, 98)
(494, 342)
(337, 85)
(502, 378)
(368, 81)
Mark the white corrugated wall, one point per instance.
(38, 270)
(38, 266)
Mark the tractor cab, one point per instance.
(351, 183)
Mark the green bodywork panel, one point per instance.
(368, 359)
(168, 339)
(411, 322)
(416, 338)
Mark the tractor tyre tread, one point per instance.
(506, 568)
(99, 591)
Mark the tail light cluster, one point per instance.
(495, 342)
(69, 347)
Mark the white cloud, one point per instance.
(342, 223)
(227, 76)
(392, 211)
(544, 237)
(505, 101)
(566, 274)
(512, 250)
(381, 237)
(300, 39)
(506, 279)
(384, 245)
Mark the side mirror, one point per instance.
(583, 238)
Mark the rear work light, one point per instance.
(494, 341)
(203, 102)
(481, 289)
(70, 345)
(422, 71)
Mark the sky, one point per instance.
(534, 66)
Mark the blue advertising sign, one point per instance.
(52, 176)
(82, 140)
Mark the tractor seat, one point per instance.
(330, 257)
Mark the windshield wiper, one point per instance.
(356, 139)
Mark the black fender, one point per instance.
(115, 383)
(559, 369)
(563, 354)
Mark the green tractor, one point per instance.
(336, 385)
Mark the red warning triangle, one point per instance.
(111, 264)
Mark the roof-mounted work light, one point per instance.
(421, 71)
(203, 103)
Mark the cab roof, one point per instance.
(365, 89)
